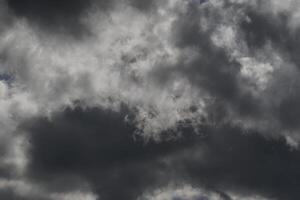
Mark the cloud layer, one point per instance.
(131, 99)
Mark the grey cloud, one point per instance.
(54, 16)
(65, 16)
(261, 29)
(9, 194)
(213, 69)
(98, 146)
(150, 73)
(273, 28)
(143, 5)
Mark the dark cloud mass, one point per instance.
(264, 28)
(143, 5)
(149, 100)
(213, 70)
(99, 146)
(54, 15)
(65, 16)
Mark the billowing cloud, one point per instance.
(132, 99)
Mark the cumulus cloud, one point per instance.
(121, 99)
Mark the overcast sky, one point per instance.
(149, 99)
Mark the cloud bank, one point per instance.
(134, 99)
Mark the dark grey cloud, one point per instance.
(55, 16)
(261, 28)
(66, 16)
(10, 194)
(82, 148)
(98, 146)
(248, 163)
(289, 112)
(143, 5)
(213, 70)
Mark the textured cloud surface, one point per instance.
(149, 100)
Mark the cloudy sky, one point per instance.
(149, 99)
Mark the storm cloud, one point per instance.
(134, 99)
(101, 147)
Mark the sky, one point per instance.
(149, 100)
